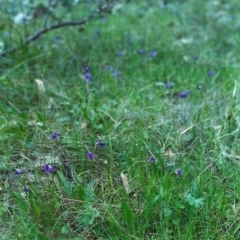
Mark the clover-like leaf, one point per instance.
(196, 202)
(199, 202)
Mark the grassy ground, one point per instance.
(148, 149)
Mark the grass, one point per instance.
(169, 168)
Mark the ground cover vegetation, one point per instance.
(126, 127)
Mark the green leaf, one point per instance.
(195, 190)
(187, 137)
(191, 201)
(67, 185)
(90, 191)
(67, 3)
(35, 208)
(149, 207)
(167, 182)
(199, 202)
(127, 213)
(64, 119)
(89, 215)
(21, 203)
(167, 212)
(64, 229)
(196, 202)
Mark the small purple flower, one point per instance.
(17, 172)
(179, 172)
(90, 156)
(152, 159)
(115, 73)
(25, 189)
(210, 73)
(195, 57)
(103, 19)
(198, 87)
(86, 69)
(96, 34)
(129, 39)
(108, 67)
(121, 53)
(153, 54)
(48, 168)
(58, 38)
(184, 94)
(100, 144)
(140, 51)
(169, 85)
(88, 77)
(55, 135)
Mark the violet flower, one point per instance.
(152, 159)
(179, 172)
(210, 73)
(17, 172)
(48, 168)
(55, 135)
(90, 156)
(100, 144)
(184, 94)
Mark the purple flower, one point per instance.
(88, 77)
(140, 51)
(198, 87)
(90, 156)
(48, 168)
(25, 189)
(153, 54)
(55, 135)
(210, 73)
(100, 144)
(152, 159)
(58, 38)
(115, 73)
(121, 53)
(195, 57)
(128, 39)
(184, 94)
(108, 67)
(86, 69)
(17, 172)
(169, 85)
(179, 172)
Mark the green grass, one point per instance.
(136, 117)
